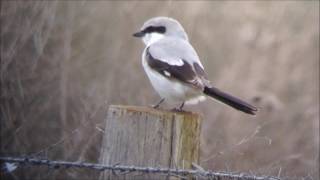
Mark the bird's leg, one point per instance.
(179, 109)
(181, 106)
(158, 104)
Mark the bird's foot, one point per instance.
(156, 106)
(179, 109)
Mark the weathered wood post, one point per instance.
(143, 136)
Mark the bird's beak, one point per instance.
(139, 34)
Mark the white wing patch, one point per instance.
(173, 62)
(167, 73)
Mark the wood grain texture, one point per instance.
(143, 136)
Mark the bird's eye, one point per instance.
(158, 29)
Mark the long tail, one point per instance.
(230, 100)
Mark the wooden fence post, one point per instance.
(143, 136)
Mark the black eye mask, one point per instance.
(150, 29)
(158, 29)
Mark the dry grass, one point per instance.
(64, 62)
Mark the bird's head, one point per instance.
(157, 28)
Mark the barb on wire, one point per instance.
(129, 169)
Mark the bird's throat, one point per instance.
(151, 38)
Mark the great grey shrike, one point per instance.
(174, 69)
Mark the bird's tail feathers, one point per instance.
(230, 100)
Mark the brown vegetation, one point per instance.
(64, 62)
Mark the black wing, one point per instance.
(184, 73)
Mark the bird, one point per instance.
(174, 68)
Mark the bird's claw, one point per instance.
(177, 110)
(155, 106)
(158, 104)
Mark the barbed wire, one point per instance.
(128, 169)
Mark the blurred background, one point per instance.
(64, 62)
